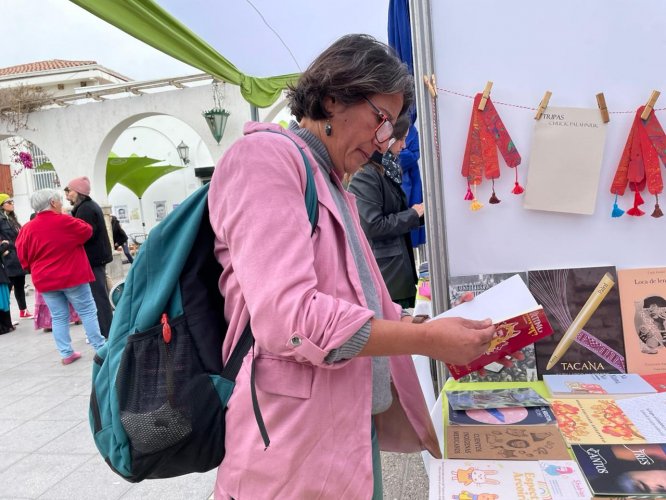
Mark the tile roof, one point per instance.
(43, 66)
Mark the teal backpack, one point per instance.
(159, 390)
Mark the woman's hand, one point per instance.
(419, 209)
(457, 340)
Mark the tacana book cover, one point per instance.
(522, 370)
(599, 347)
(643, 306)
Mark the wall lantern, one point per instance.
(183, 152)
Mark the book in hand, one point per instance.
(594, 421)
(506, 442)
(511, 335)
(523, 370)
(643, 306)
(628, 469)
(532, 415)
(597, 385)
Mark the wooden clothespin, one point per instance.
(601, 102)
(485, 96)
(543, 104)
(430, 84)
(650, 104)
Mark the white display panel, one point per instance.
(574, 49)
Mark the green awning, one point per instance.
(140, 179)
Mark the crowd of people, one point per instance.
(66, 253)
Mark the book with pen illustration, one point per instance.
(599, 347)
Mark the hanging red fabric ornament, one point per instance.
(639, 164)
(486, 135)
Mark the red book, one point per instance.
(512, 335)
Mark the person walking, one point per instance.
(98, 247)
(51, 247)
(386, 218)
(120, 238)
(9, 229)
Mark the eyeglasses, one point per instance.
(66, 190)
(11, 202)
(384, 130)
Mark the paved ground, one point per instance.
(46, 448)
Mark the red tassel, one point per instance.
(657, 211)
(469, 196)
(638, 199)
(166, 328)
(517, 188)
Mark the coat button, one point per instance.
(295, 341)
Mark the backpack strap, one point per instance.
(246, 341)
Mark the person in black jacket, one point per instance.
(98, 247)
(6, 324)
(120, 238)
(386, 219)
(9, 229)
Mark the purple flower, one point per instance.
(26, 159)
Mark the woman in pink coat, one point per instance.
(335, 380)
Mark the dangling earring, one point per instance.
(328, 129)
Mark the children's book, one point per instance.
(599, 347)
(487, 480)
(643, 306)
(648, 414)
(494, 398)
(532, 415)
(521, 370)
(565, 480)
(594, 421)
(597, 385)
(628, 469)
(506, 442)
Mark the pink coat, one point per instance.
(305, 298)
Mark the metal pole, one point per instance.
(433, 188)
(254, 113)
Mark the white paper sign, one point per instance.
(565, 161)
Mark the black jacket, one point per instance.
(98, 247)
(119, 234)
(386, 220)
(9, 231)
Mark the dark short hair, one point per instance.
(401, 126)
(354, 67)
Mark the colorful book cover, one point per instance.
(594, 421)
(531, 415)
(494, 398)
(597, 385)
(565, 480)
(629, 469)
(506, 442)
(487, 479)
(647, 414)
(643, 306)
(511, 335)
(521, 370)
(599, 347)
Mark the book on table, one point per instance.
(531, 415)
(643, 306)
(623, 469)
(456, 479)
(597, 385)
(647, 414)
(599, 347)
(523, 370)
(494, 398)
(506, 442)
(594, 421)
(518, 319)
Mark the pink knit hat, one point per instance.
(81, 185)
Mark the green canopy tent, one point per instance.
(139, 180)
(119, 166)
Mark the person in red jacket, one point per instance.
(51, 247)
